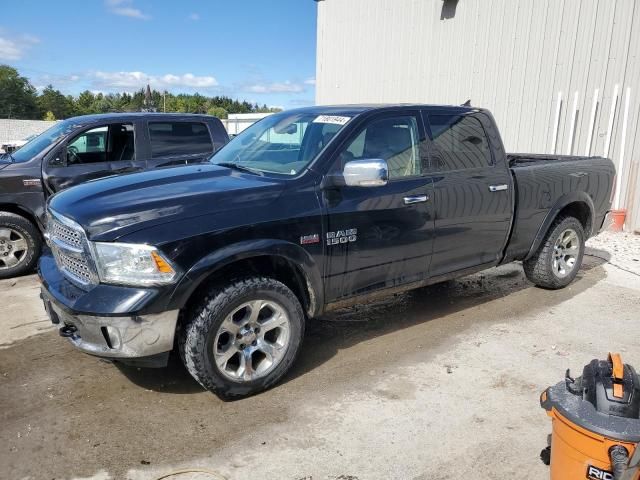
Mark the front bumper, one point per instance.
(129, 337)
(108, 321)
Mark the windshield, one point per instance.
(42, 141)
(284, 143)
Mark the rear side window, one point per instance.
(179, 138)
(459, 143)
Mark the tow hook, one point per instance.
(68, 331)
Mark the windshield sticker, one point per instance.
(335, 119)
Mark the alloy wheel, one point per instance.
(13, 248)
(565, 253)
(252, 340)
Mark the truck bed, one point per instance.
(542, 181)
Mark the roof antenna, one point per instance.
(467, 103)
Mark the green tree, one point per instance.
(217, 112)
(54, 101)
(17, 95)
(84, 104)
(49, 116)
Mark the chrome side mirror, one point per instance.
(366, 173)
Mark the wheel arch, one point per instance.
(576, 204)
(23, 212)
(281, 260)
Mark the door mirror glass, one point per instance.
(366, 173)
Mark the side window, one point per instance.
(120, 144)
(107, 143)
(394, 139)
(459, 142)
(179, 138)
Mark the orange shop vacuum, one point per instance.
(595, 421)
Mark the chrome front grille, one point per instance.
(66, 234)
(70, 250)
(77, 268)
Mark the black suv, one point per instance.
(85, 148)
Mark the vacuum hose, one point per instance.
(619, 460)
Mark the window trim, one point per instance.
(433, 171)
(180, 155)
(422, 138)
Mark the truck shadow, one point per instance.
(345, 328)
(348, 327)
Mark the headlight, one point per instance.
(132, 264)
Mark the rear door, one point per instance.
(472, 191)
(178, 142)
(380, 236)
(95, 152)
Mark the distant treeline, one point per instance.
(20, 99)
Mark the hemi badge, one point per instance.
(309, 239)
(32, 182)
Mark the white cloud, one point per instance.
(60, 81)
(277, 87)
(310, 81)
(16, 48)
(135, 80)
(194, 16)
(125, 8)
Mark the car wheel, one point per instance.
(243, 337)
(20, 245)
(557, 261)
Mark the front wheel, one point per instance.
(557, 261)
(244, 337)
(20, 245)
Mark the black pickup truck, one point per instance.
(305, 211)
(84, 148)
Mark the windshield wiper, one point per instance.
(242, 168)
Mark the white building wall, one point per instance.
(12, 130)
(511, 56)
(237, 122)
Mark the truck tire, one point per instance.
(20, 245)
(559, 257)
(242, 338)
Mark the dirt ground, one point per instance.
(439, 383)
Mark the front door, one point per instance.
(97, 152)
(380, 236)
(472, 192)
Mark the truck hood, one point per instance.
(112, 207)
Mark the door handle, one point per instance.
(415, 199)
(498, 188)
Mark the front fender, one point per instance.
(562, 202)
(223, 257)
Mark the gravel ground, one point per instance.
(619, 249)
(439, 383)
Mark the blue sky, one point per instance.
(259, 50)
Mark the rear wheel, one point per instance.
(557, 261)
(244, 337)
(20, 245)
